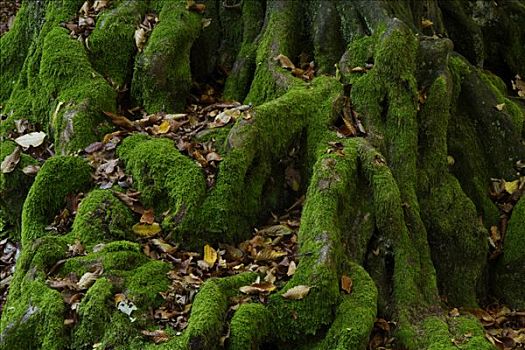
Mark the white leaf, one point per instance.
(33, 139)
(297, 292)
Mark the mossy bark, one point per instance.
(388, 209)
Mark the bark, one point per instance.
(391, 210)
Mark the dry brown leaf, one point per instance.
(163, 246)
(158, 336)
(148, 217)
(284, 61)
(256, 288)
(145, 230)
(191, 5)
(99, 5)
(358, 70)
(120, 120)
(10, 161)
(346, 284)
(210, 255)
(297, 292)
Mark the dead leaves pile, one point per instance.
(8, 10)
(183, 128)
(381, 337)
(504, 328)
(505, 194)
(349, 123)
(9, 253)
(81, 27)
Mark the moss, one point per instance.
(94, 315)
(469, 334)
(355, 314)
(14, 187)
(111, 45)
(160, 171)
(280, 36)
(238, 82)
(59, 176)
(102, 217)
(35, 319)
(162, 76)
(146, 282)
(510, 268)
(249, 326)
(209, 310)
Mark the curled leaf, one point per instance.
(10, 161)
(210, 255)
(284, 61)
(346, 284)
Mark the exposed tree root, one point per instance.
(396, 209)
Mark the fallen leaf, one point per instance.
(454, 312)
(511, 186)
(126, 306)
(346, 284)
(163, 246)
(120, 120)
(140, 38)
(269, 254)
(500, 106)
(425, 23)
(205, 22)
(148, 217)
(146, 230)
(33, 139)
(191, 5)
(284, 61)
(31, 170)
(210, 255)
(213, 156)
(99, 5)
(87, 280)
(158, 336)
(358, 70)
(256, 288)
(10, 161)
(291, 269)
(164, 127)
(297, 292)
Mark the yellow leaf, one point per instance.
(210, 255)
(297, 292)
(500, 106)
(269, 254)
(146, 230)
(164, 127)
(512, 186)
(425, 23)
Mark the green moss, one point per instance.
(59, 176)
(510, 269)
(240, 78)
(112, 44)
(102, 217)
(94, 313)
(355, 314)
(160, 171)
(14, 187)
(162, 76)
(249, 326)
(146, 282)
(209, 310)
(279, 37)
(469, 334)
